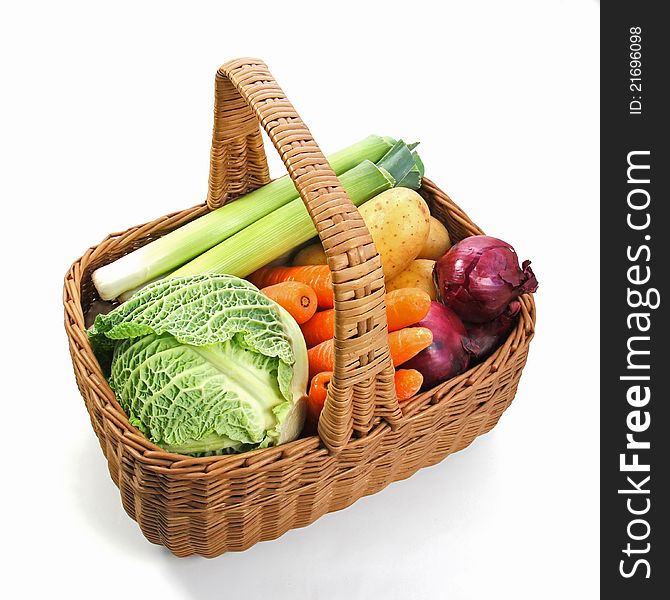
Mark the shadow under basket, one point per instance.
(218, 504)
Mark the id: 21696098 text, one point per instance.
(635, 69)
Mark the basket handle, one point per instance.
(362, 388)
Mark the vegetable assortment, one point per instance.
(205, 362)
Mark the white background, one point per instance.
(106, 122)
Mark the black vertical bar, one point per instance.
(635, 364)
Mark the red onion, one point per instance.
(479, 276)
(450, 352)
(488, 336)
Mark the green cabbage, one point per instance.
(205, 364)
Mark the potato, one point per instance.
(310, 255)
(438, 241)
(418, 275)
(399, 222)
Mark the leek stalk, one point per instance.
(165, 254)
(289, 226)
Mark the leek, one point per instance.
(289, 226)
(165, 254)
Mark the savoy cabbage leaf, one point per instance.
(205, 363)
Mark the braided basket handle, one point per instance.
(362, 388)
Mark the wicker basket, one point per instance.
(212, 505)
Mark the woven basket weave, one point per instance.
(212, 505)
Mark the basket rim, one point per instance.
(158, 459)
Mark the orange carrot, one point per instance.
(315, 276)
(407, 383)
(404, 344)
(319, 328)
(404, 307)
(321, 358)
(318, 390)
(296, 297)
(408, 342)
